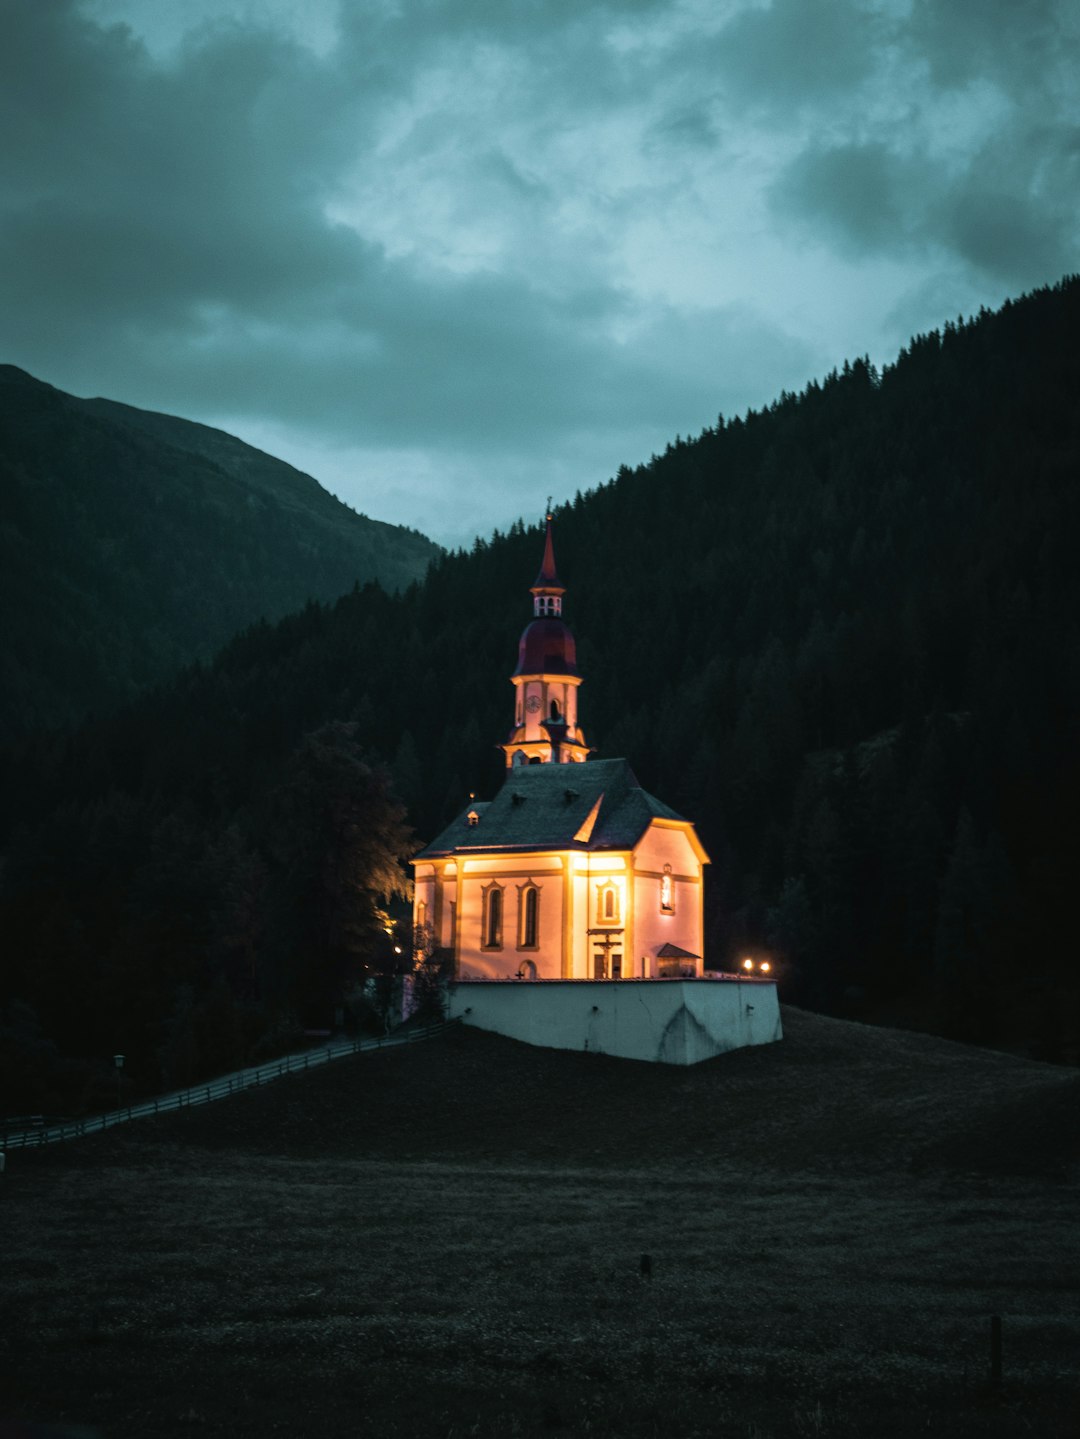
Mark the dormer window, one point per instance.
(472, 819)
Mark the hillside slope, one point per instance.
(133, 543)
(448, 1238)
(832, 1095)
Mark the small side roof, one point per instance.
(544, 807)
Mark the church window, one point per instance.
(421, 914)
(528, 917)
(607, 903)
(667, 891)
(555, 715)
(493, 917)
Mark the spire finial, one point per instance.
(547, 512)
(548, 589)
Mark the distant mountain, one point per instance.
(133, 543)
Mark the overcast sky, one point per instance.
(450, 256)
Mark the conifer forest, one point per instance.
(842, 635)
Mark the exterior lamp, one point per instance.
(765, 966)
(748, 965)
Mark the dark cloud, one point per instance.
(1017, 44)
(791, 52)
(512, 242)
(976, 160)
(1012, 211)
(861, 194)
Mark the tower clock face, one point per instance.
(532, 704)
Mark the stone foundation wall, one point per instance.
(666, 1021)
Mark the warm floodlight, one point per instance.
(748, 964)
(765, 966)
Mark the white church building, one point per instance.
(571, 903)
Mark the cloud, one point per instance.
(980, 164)
(511, 245)
(792, 52)
(1020, 45)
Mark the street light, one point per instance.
(118, 1060)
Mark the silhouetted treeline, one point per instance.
(842, 635)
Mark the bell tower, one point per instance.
(546, 680)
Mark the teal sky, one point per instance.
(452, 257)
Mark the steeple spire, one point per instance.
(547, 588)
(546, 680)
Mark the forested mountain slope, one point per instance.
(842, 635)
(134, 543)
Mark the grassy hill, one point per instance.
(134, 543)
(447, 1240)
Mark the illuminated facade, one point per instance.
(572, 871)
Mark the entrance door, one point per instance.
(616, 965)
(599, 964)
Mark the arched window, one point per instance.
(607, 903)
(528, 917)
(536, 759)
(555, 712)
(667, 891)
(493, 917)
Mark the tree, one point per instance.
(430, 972)
(337, 843)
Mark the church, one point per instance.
(572, 871)
(571, 904)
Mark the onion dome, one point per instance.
(547, 648)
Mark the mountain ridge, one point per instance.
(136, 542)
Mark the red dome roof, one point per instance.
(547, 648)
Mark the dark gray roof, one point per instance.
(543, 806)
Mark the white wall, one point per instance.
(654, 928)
(511, 872)
(671, 1021)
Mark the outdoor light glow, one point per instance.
(765, 966)
(748, 964)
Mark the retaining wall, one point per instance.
(664, 1021)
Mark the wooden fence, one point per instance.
(32, 1133)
